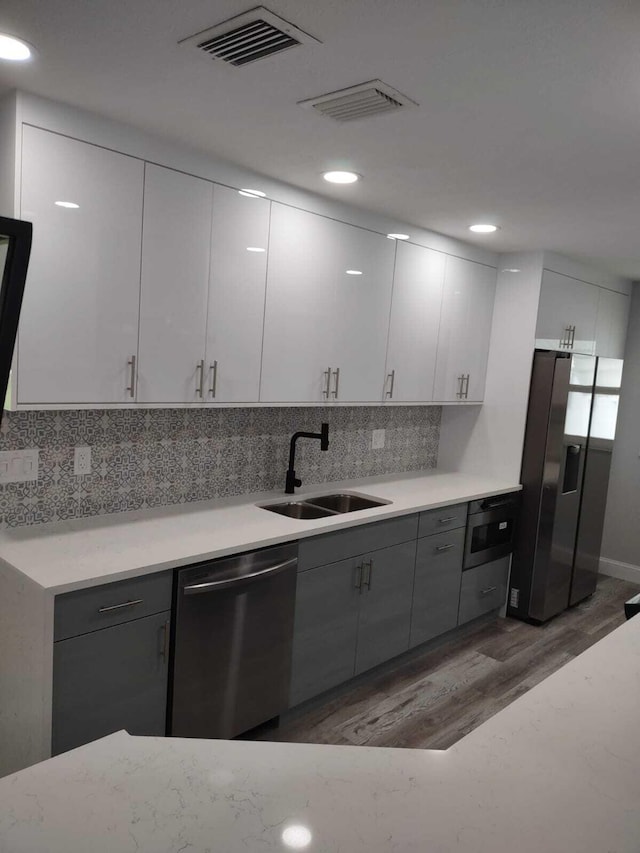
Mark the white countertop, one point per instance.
(85, 552)
(558, 770)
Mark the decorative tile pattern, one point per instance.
(156, 457)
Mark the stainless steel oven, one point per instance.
(491, 527)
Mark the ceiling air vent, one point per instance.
(248, 37)
(356, 102)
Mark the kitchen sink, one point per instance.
(345, 503)
(299, 509)
(324, 506)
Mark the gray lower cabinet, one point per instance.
(436, 590)
(385, 604)
(483, 589)
(111, 679)
(110, 660)
(326, 628)
(350, 616)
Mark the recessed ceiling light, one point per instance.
(297, 836)
(398, 236)
(70, 204)
(255, 249)
(13, 49)
(510, 269)
(353, 272)
(341, 177)
(252, 193)
(483, 228)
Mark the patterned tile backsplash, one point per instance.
(155, 457)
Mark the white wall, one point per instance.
(488, 439)
(621, 539)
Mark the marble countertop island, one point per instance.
(558, 770)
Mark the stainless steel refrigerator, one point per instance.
(569, 436)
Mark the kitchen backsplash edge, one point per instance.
(158, 457)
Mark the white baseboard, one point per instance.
(616, 569)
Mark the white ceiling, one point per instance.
(529, 110)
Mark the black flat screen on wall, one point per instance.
(15, 248)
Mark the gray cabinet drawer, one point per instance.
(436, 590)
(444, 518)
(357, 540)
(110, 604)
(483, 589)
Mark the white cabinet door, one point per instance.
(239, 243)
(174, 288)
(567, 314)
(360, 313)
(465, 329)
(611, 326)
(306, 257)
(79, 322)
(415, 319)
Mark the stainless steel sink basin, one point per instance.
(345, 503)
(324, 506)
(299, 509)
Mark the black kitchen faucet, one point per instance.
(322, 436)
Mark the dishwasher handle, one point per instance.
(212, 586)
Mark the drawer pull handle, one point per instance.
(447, 519)
(358, 584)
(488, 590)
(119, 606)
(368, 564)
(445, 547)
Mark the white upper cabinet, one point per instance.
(325, 328)
(465, 329)
(567, 314)
(413, 328)
(611, 324)
(239, 244)
(174, 287)
(79, 323)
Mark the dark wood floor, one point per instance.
(441, 693)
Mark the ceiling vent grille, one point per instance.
(358, 102)
(249, 37)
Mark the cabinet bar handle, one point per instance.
(336, 373)
(445, 547)
(164, 652)
(327, 373)
(391, 376)
(466, 386)
(359, 577)
(200, 384)
(213, 373)
(119, 606)
(131, 387)
(488, 590)
(572, 336)
(460, 392)
(369, 566)
(447, 519)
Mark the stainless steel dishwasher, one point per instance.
(233, 638)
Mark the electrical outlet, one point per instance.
(82, 461)
(377, 439)
(19, 466)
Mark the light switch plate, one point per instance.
(19, 466)
(377, 439)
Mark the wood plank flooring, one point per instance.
(434, 697)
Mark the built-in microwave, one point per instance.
(491, 525)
